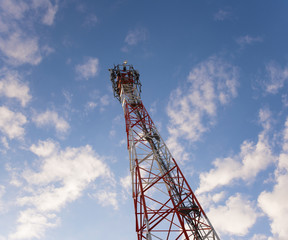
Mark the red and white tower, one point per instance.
(165, 206)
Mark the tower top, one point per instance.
(124, 74)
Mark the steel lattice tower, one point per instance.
(165, 206)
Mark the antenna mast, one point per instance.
(165, 206)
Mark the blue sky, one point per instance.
(214, 76)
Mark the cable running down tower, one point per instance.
(165, 206)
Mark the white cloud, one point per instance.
(126, 182)
(221, 15)
(3, 28)
(192, 109)
(277, 76)
(135, 36)
(91, 105)
(88, 69)
(46, 9)
(236, 217)
(61, 177)
(18, 41)
(112, 133)
(252, 159)
(106, 198)
(76, 168)
(12, 87)
(2, 192)
(225, 170)
(260, 237)
(20, 49)
(5, 142)
(275, 203)
(11, 123)
(285, 138)
(15, 178)
(32, 224)
(14, 9)
(104, 100)
(210, 199)
(49, 17)
(122, 142)
(97, 100)
(91, 20)
(153, 108)
(44, 148)
(51, 118)
(248, 40)
(285, 100)
(47, 50)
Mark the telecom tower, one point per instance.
(165, 206)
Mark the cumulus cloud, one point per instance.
(16, 9)
(12, 8)
(106, 198)
(260, 237)
(62, 176)
(11, 86)
(104, 102)
(2, 192)
(236, 217)
(134, 37)
(91, 20)
(96, 100)
(51, 118)
(88, 69)
(20, 49)
(221, 15)
(211, 199)
(248, 40)
(18, 42)
(192, 109)
(5, 142)
(253, 158)
(44, 148)
(11, 123)
(32, 224)
(51, 10)
(277, 76)
(126, 182)
(274, 203)
(285, 100)
(90, 105)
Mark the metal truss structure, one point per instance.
(165, 206)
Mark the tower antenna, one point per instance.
(165, 206)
